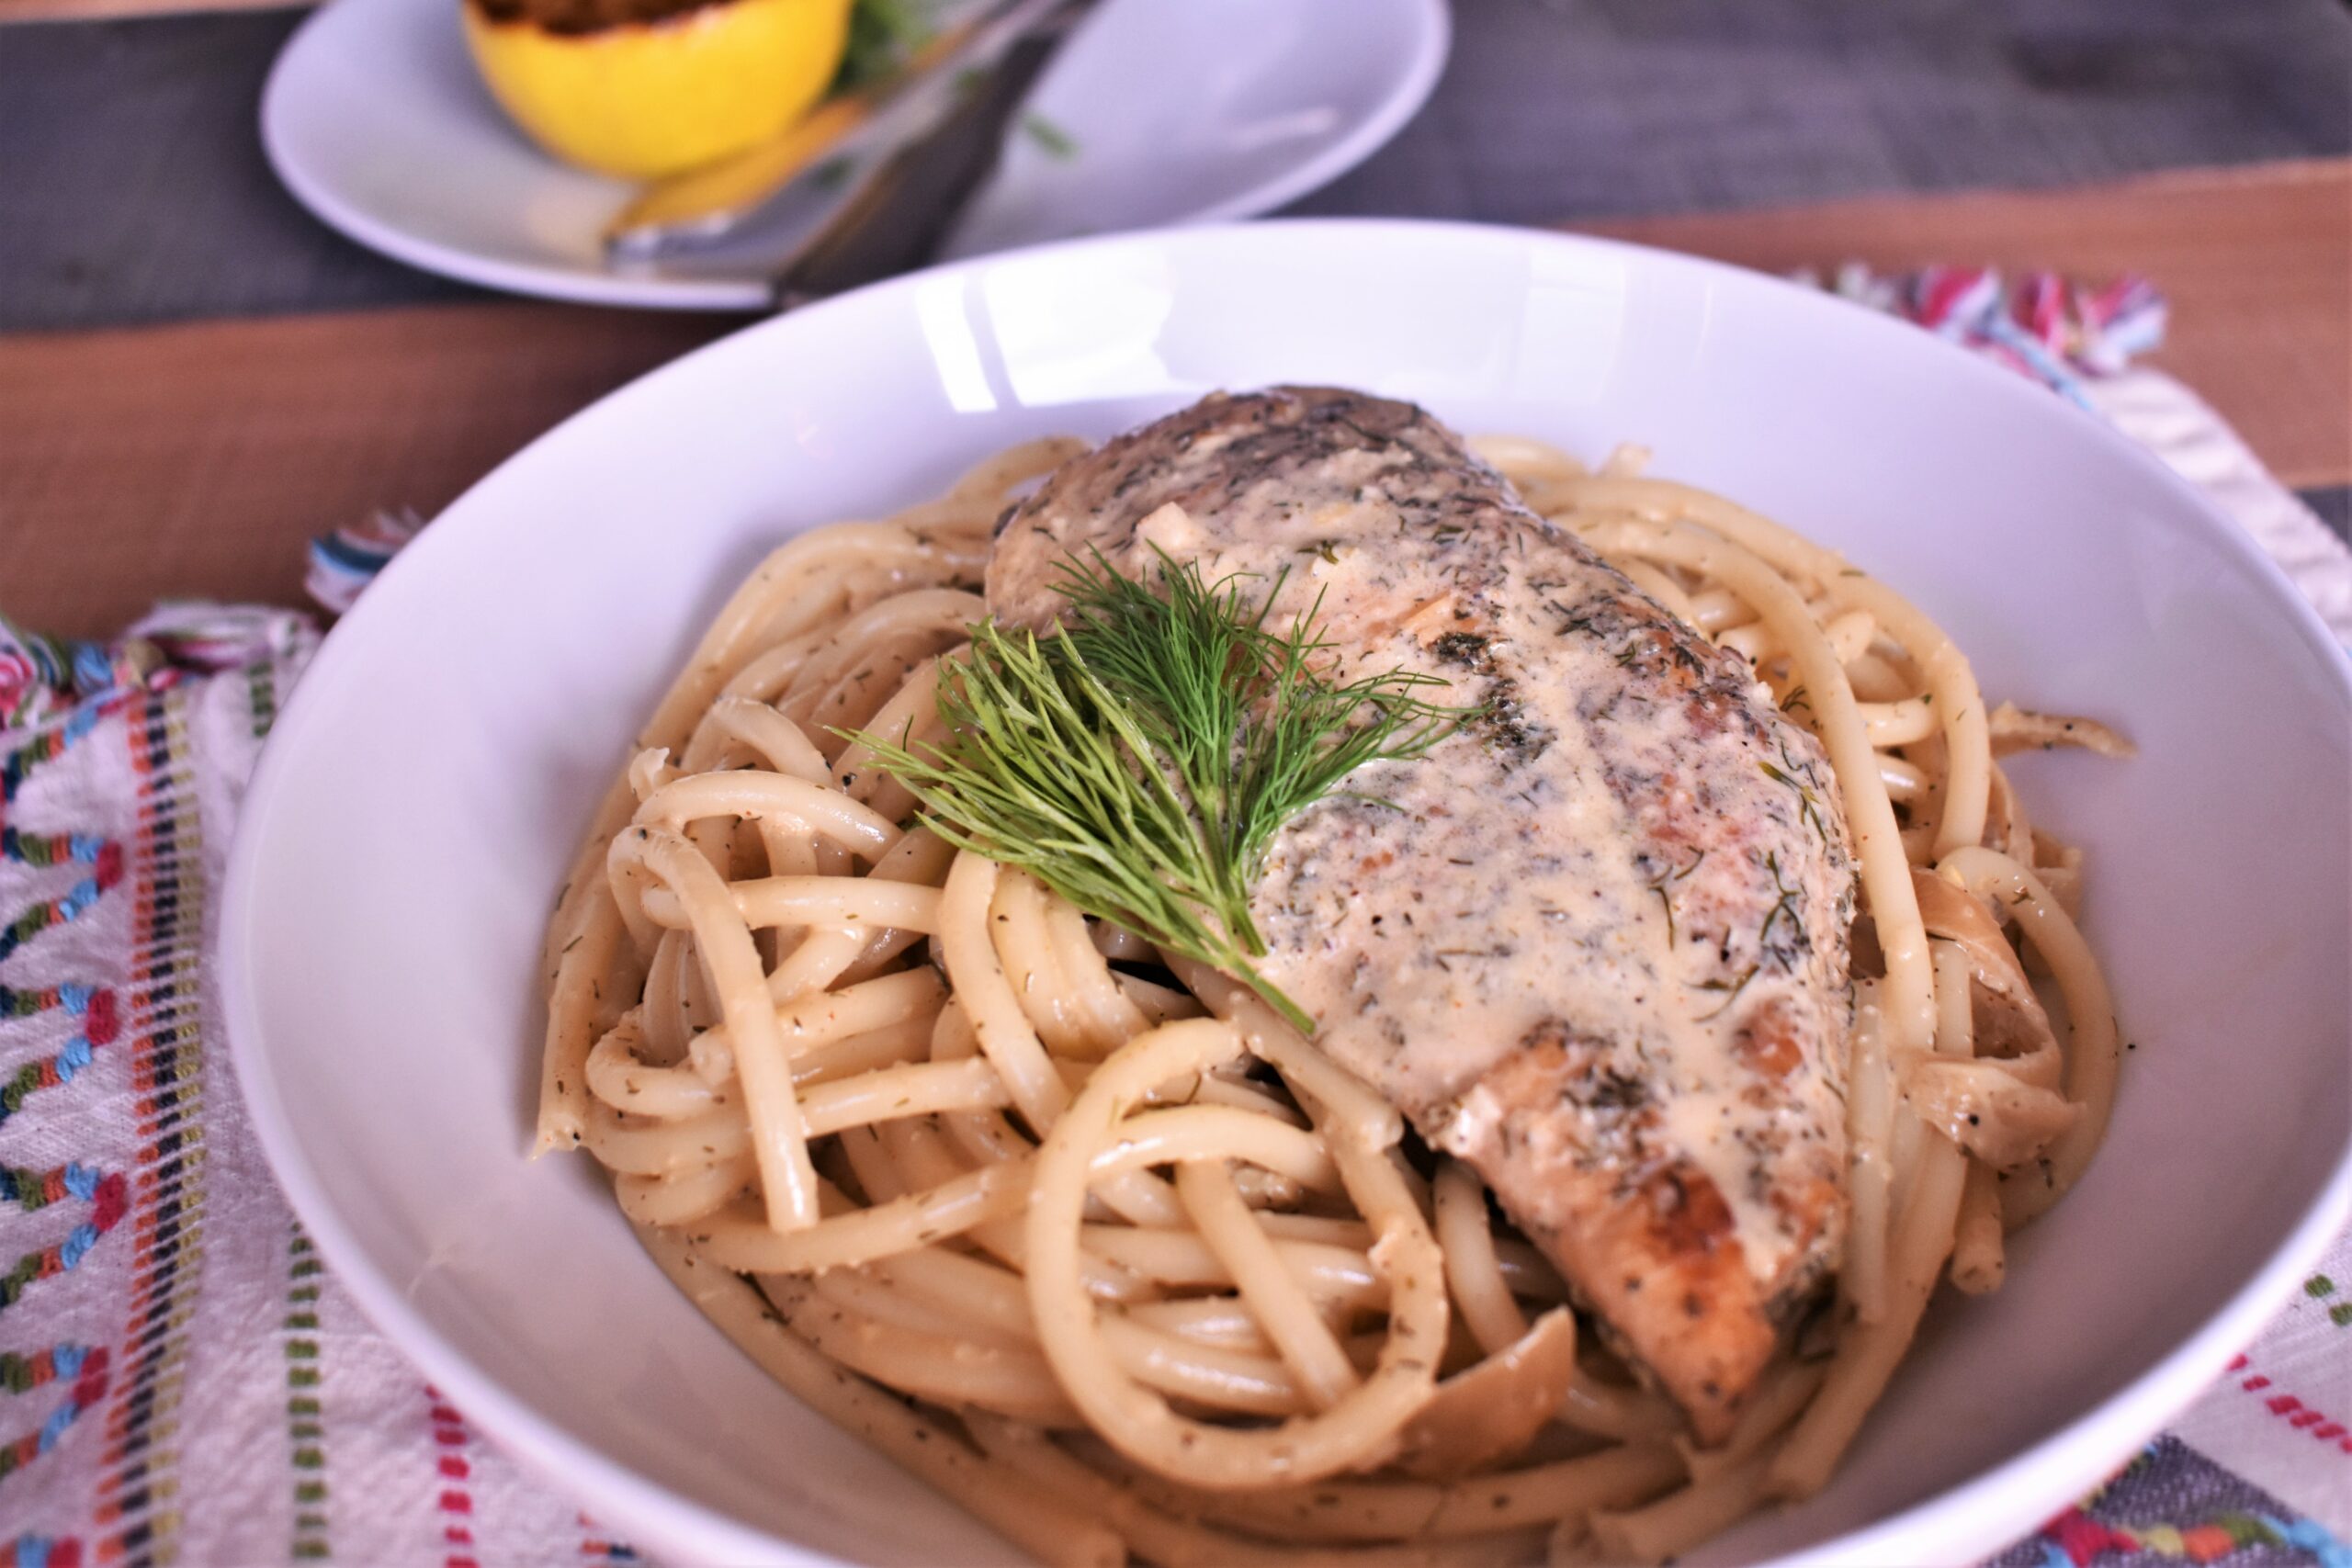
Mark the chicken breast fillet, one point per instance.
(1595, 943)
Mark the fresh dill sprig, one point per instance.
(1139, 759)
(883, 35)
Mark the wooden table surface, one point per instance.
(192, 460)
(2257, 264)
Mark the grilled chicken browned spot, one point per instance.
(1595, 943)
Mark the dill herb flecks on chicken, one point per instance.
(1139, 759)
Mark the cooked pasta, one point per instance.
(1088, 1237)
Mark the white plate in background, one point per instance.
(422, 793)
(1179, 111)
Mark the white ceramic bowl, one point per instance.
(403, 838)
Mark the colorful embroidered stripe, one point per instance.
(29, 1001)
(2319, 1287)
(31, 1190)
(42, 676)
(138, 1496)
(261, 695)
(35, 1190)
(2294, 1411)
(44, 1551)
(2039, 324)
(347, 560)
(39, 675)
(306, 1431)
(95, 1008)
(597, 1547)
(455, 1475)
(178, 637)
(2075, 1539)
(49, 849)
(88, 1370)
(22, 1374)
(50, 744)
(105, 871)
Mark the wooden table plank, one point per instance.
(194, 461)
(2258, 264)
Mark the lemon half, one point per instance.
(641, 97)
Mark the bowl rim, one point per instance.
(2053, 1471)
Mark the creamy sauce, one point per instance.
(1627, 846)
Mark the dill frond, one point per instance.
(1140, 759)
